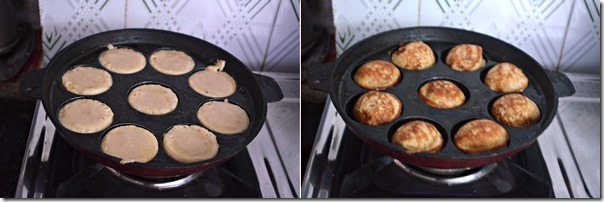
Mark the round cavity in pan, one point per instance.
(415, 55)
(86, 80)
(190, 143)
(122, 60)
(130, 143)
(479, 135)
(418, 134)
(85, 116)
(515, 110)
(223, 117)
(377, 75)
(443, 93)
(214, 84)
(152, 98)
(375, 108)
(504, 77)
(171, 61)
(464, 57)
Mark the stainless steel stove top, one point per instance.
(274, 152)
(570, 145)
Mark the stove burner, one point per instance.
(447, 176)
(156, 183)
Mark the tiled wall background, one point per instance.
(262, 33)
(562, 35)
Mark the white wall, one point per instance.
(261, 33)
(562, 35)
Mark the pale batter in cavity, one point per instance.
(223, 117)
(190, 143)
(84, 80)
(122, 60)
(171, 62)
(213, 82)
(153, 99)
(85, 116)
(130, 143)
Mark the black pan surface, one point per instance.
(344, 92)
(253, 93)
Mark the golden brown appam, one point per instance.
(516, 110)
(481, 135)
(377, 108)
(465, 58)
(442, 94)
(377, 75)
(506, 78)
(418, 136)
(414, 56)
(130, 143)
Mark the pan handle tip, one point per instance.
(320, 77)
(562, 84)
(32, 82)
(271, 92)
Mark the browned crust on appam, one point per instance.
(377, 108)
(481, 135)
(418, 136)
(377, 75)
(414, 56)
(516, 110)
(506, 78)
(442, 94)
(465, 58)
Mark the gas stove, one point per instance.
(342, 165)
(54, 169)
(69, 174)
(364, 172)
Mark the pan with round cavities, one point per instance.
(545, 87)
(253, 93)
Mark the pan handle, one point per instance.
(320, 76)
(271, 92)
(562, 85)
(32, 82)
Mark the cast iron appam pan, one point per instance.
(544, 89)
(253, 93)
